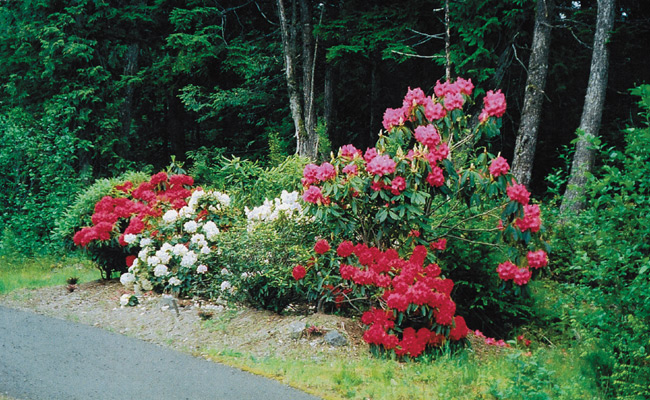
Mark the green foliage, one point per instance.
(259, 260)
(607, 247)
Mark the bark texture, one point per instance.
(522, 165)
(583, 159)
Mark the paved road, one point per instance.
(48, 358)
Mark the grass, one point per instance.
(509, 374)
(554, 369)
(35, 272)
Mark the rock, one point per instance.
(296, 329)
(334, 338)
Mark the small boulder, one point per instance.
(334, 338)
(296, 329)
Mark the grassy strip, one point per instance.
(512, 374)
(27, 272)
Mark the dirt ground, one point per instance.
(199, 327)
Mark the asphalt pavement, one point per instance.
(50, 359)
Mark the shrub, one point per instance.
(423, 185)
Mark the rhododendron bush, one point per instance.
(426, 183)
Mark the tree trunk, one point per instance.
(302, 110)
(328, 101)
(583, 159)
(522, 164)
(126, 109)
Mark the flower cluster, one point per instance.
(286, 205)
(134, 205)
(407, 287)
(173, 251)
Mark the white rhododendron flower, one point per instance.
(179, 250)
(287, 204)
(170, 216)
(160, 270)
(190, 226)
(201, 269)
(124, 300)
(225, 285)
(189, 259)
(205, 250)
(153, 261)
(164, 256)
(198, 239)
(144, 242)
(127, 279)
(130, 238)
(174, 281)
(224, 271)
(144, 252)
(186, 212)
(166, 247)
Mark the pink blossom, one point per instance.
(454, 101)
(393, 117)
(465, 86)
(522, 276)
(537, 259)
(437, 154)
(351, 169)
(427, 135)
(507, 270)
(381, 165)
(309, 174)
(413, 98)
(531, 219)
(313, 195)
(398, 185)
(499, 166)
(326, 172)
(435, 177)
(434, 111)
(370, 154)
(494, 103)
(518, 193)
(349, 151)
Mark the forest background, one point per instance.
(92, 89)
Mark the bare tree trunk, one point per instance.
(447, 43)
(374, 95)
(302, 108)
(522, 164)
(130, 68)
(583, 159)
(328, 106)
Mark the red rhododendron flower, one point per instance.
(459, 331)
(181, 180)
(130, 260)
(440, 244)
(125, 187)
(381, 165)
(322, 246)
(427, 135)
(507, 270)
(347, 271)
(537, 259)
(414, 233)
(499, 166)
(494, 103)
(518, 193)
(345, 249)
(158, 178)
(298, 272)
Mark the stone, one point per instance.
(296, 329)
(334, 338)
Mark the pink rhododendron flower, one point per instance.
(349, 151)
(518, 193)
(437, 154)
(313, 195)
(434, 111)
(435, 177)
(522, 276)
(393, 117)
(531, 219)
(381, 165)
(398, 185)
(351, 169)
(413, 98)
(465, 86)
(427, 135)
(298, 272)
(454, 101)
(440, 244)
(537, 259)
(370, 154)
(499, 166)
(507, 270)
(326, 172)
(310, 174)
(494, 103)
(322, 246)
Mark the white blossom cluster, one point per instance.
(287, 204)
(193, 239)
